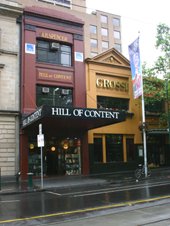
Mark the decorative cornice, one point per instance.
(11, 8)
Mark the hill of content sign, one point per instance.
(85, 113)
(74, 113)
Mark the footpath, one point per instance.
(10, 186)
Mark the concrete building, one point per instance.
(102, 30)
(9, 86)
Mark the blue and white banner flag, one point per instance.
(136, 68)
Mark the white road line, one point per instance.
(53, 193)
(9, 201)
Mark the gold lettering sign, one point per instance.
(46, 75)
(53, 36)
(111, 84)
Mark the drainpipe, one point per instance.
(19, 21)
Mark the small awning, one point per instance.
(72, 118)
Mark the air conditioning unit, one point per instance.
(45, 90)
(65, 91)
(55, 46)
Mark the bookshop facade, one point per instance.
(53, 94)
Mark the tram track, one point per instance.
(117, 188)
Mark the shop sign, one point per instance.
(53, 36)
(33, 117)
(111, 84)
(85, 113)
(50, 75)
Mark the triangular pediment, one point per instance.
(111, 57)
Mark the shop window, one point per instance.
(98, 156)
(112, 103)
(114, 148)
(54, 96)
(53, 53)
(130, 147)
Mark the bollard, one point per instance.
(17, 177)
(30, 182)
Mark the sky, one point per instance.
(138, 18)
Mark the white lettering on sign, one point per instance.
(32, 117)
(87, 113)
(61, 111)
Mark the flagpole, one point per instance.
(144, 133)
(137, 80)
(144, 129)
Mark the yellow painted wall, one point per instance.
(113, 68)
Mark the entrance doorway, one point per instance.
(60, 157)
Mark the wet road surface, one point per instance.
(33, 208)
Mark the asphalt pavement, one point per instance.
(13, 186)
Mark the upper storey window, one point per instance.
(104, 31)
(104, 19)
(65, 3)
(53, 53)
(116, 22)
(93, 29)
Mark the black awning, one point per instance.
(72, 118)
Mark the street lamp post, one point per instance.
(55, 90)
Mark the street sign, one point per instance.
(40, 140)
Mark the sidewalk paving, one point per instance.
(61, 182)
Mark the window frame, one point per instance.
(117, 34)
(93, 29)
(57, 56)
(104, 19)
(104, 32)
(54, 97)
(93, 45)
(116, 22)
(104, 47)
(118, 47)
